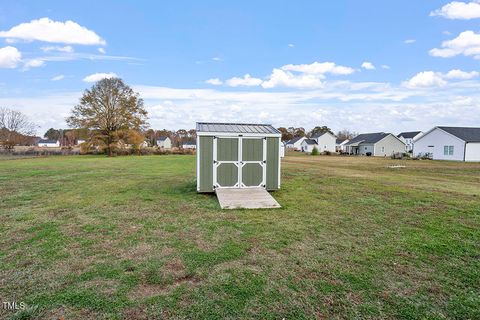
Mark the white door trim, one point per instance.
(239, 162)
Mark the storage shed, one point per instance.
(237, 155)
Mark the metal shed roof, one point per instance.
(244, 128)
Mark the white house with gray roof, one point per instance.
(449, 143)
(409, 139)
(164, 142)
(324, 141)
(295, 143)
(379, 144)
(48, 143)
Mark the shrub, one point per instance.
(326, 153)
(315, 151)
(368, 154)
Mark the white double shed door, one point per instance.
(239, 162)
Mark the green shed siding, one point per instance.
(227, 149)
(227, 174)
(273, 165)
(205, 158)
(252, 174)
(252, 149)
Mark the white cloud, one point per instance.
(459, 10)
(291, 45)
(33, 63)
(466, 43)
(99, 76)
(434, 79)
(47, 30)
(102, 50)
(9, 57)
(368, 65)
(246, 81)
(370, 107)
(410, 41)
(58, 78)
(291, 75)
(319, 68)
(217, 59)
(282, 78)
(214, 81)
(426, 79)
(384, 66)
(462, 75)
(66, 49)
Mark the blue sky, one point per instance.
(362, 65)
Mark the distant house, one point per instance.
(377, 144)
(80, 141)
(408, 138)
(450, 143)
(164, 142)
(340, 145)
(48, 143)
(308, 145)
(189, 144)
(295, 143)
(324, 141)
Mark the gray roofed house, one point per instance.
(291, 141)
(449, 143)
(340, 145)
(375, 144)
(323, 141)
(189, 144)
(310, 141)
(295, 143)
(164, 142)
(409, 134)
(367, 138)
(467, 134)
(49, 143)
(319, 134)
(409, 139)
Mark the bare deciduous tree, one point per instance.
(109, 108)
(346, 134)
(15, 127)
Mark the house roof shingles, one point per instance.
(368, 138)
(47, 141)
(319, 134)
(190, 142)
(409, 135)
(162, 138)
(292, 141)
(310, 141)
(467, 134)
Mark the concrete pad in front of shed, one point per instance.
(246, 198)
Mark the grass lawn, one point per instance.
(129, 237)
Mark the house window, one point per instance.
(383, 149)
(448, 150)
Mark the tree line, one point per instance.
(111, 115)
(292, 132)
